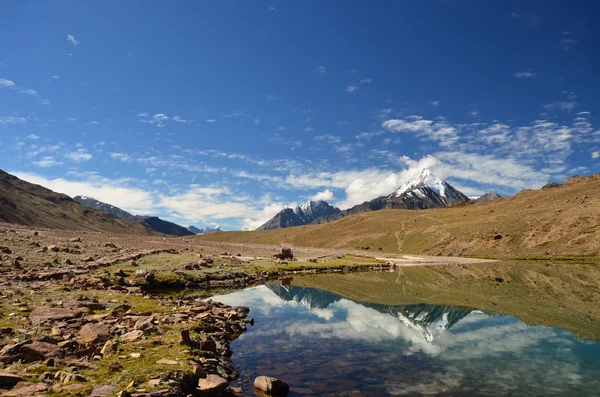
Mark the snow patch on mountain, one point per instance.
(426, 178)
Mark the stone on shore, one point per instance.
(271, 386)
(210, 385)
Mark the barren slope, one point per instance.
(558, 221)
(28, 204)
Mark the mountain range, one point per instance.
(423, 192)
(150, 222)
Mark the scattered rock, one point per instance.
(110, 347)
(93, 333)
(271, 386)
(27, 389)
(103, 391)
(210, 385)
(132, 336)
(9, 380)
(49, 314)
(165, 361)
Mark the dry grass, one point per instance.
(560, 221)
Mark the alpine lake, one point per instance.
(426, 332)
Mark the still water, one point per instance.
(322, 344)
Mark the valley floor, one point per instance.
(80, 312)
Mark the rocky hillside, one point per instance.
(563, 220)
(149, 222)
(33, 205)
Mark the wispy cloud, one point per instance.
(6, 83)
(124, 157)
(435, 104)
(28, 92)
(351, 89)
(328, 138)
(437, 130)
(158, 119)
(11, 120)
(180, 120)
(524, 74)
(564, 106)
(71, 39)
(211, 120)
(33, 136)
(47, 161)
(271, 97)
(567, 42)
(595, 155)
(321, 69)
(79, 156)
(366, 81)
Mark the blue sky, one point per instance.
(207, 112)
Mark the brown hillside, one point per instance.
(33, 205)
(564, 220)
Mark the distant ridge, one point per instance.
(150, 222)
(33, 205)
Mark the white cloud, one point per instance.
(55, 77)
(158, 119)
(567, 42)
(79, 156)
(271, 97)
(46, 162)
(6, 83)
(324, 195)
(436, 130)
(115, 192)
(124, 157)
(351, 89)
(524, 74)
(71, 39)
(180, 120)
(11, 120)
(366, 81)
(595, 155)
(309, 129)
(564, 106)
(211, 121)
(328, 138)
(321, 70)
(29, 92)
(33, 136)
(435, 104)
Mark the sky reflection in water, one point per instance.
(320, 342)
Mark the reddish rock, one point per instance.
(9, 380)
(49, 314)
(132, 335)
(210, 385)
(37, 351)
(93, 333)
(27, 389)
(271, 386)
(103, 391)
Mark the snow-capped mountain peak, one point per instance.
(310, 205)
(427, 178)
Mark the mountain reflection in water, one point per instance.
(324, 344)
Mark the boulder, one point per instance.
(27, 389)
(271, 386)
(210, 385)
(132, 336)
(48, 314)
(110, 347)
(9, 380)
(37, 351)
(93, 333)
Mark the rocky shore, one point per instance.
(90, 314)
